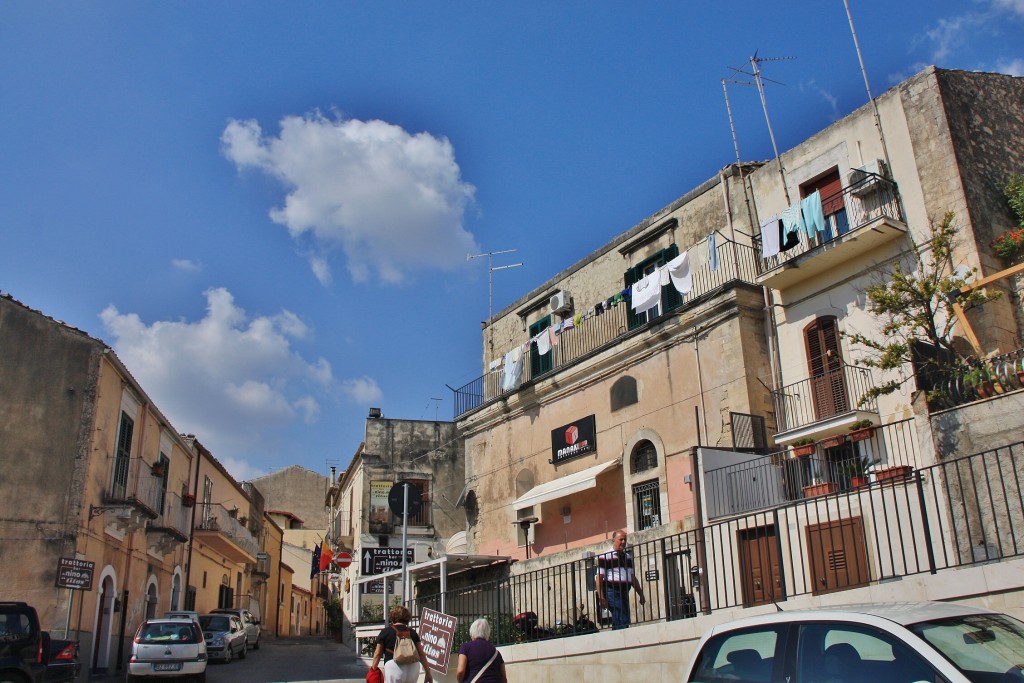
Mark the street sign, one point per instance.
(372, 587)
(396, 498)
(72, 573)
(342, 560)
(436, 632)
(381, 560)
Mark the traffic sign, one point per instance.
(381, 560)
(342, 560)
(396, 498)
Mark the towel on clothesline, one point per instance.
(680, 273)
(646, 293)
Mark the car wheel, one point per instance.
(227, 654)
(245, 647)
(257, 645)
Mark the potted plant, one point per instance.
(804, 447)
(862, 430)
(856, 470)
(188, 500)
(893, 473)
(820, 487)
(979, 378)
(833, 441)
(158, 469)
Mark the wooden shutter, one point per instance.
(825, 366)
(831, 189)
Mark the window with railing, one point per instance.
(122, 456)
(647, 505)
(670, 299)
(422, 516)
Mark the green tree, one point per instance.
(915, 309)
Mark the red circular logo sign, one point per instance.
(571, 434)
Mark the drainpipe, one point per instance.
(131, 544)
(723, 181)
(192, 531)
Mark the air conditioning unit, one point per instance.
(864, 180)
(561, 301)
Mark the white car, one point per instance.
(225, 637)
(875, 643)
(168, 648)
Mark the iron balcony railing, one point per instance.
(138, 486)
(736, 263)
(217, 518)
(958, 513)
(834, 392)
(175, 517)
(838, 464)
(863, 202)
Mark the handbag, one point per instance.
(481, 671)
(374, 676)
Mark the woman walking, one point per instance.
(479, 660)
(389, 639)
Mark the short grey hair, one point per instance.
(481, 628)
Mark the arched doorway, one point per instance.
(176, 591)
(104, 624)
(151, 600)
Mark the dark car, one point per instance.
(249, 622)
(64, 665)
(24, 647)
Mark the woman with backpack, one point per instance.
(399, 646)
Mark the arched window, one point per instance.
(624, 393)
(645, 457)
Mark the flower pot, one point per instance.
(833, 441)
(188, 500)
(804, 451)
(158, 470)
(821, 489)
(862, 434)
(893, 473)
(859, 481)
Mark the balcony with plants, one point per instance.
(221, 529)
(861, 216)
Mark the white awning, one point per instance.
(564, 486)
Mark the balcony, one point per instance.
(871, 216)
(837, 466)
(133, 497)
(824, 405)
(170, 528)
(736, 263)
(219, 529)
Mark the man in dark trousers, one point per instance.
(615, 576)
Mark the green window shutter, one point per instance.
(670, 297)
(540, 364)
(632, 320)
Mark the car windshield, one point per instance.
(167, 634)
(980, 645)
(214, 624)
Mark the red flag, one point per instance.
(325, 557)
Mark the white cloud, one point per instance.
(1014, 6)
(1012, 67)
(242, 470)
(393, 201)
(950, 34)
(185, 264)
(362, 390)
(228, 378)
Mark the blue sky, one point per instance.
(266, 207)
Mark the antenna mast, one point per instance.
(490, 293)
(758, 80)
(867, 86)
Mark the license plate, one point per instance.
(167, 666)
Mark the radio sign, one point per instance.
(574, 440)
(74, 574)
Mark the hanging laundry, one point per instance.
(552, 337)
(624, 295)
(543, 341)
(814, 219)
(787, 240)
(771, 234)
(577, 319)
(646, 293)
(599, 309)
(793, 220)
(568, 324)
(679, 272)
(513, 374)
(495, 364)
(663, 277)
(712, 252)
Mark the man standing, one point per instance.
(615, 576)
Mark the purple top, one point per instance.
(477, 652)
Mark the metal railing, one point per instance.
(872, 198)
(138, 486)
(957, 513)
(174, 516)
(736, 263)
(982, 379)
(837, 465)
(827, 395)
(220, 520)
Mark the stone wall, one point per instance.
(298, 491)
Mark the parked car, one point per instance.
(225, 636)
(24, 646)
(249, 622)
(182, 614)
(893, 642)
(168, 648)
(63, 665)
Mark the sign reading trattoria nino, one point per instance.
(436, 632)
(72, 573)
(574, 439)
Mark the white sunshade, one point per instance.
(564, 486)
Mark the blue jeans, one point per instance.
(618, 605)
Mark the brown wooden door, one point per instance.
(838, 555)
(759, 562)
(825, 365)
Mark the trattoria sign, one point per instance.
(574, 440)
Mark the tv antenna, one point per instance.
(490, 291)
